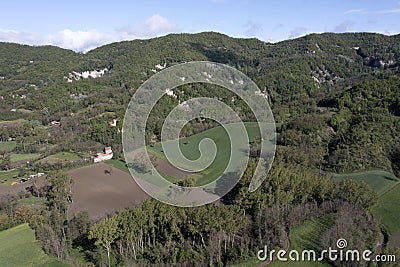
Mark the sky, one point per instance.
(84, 25)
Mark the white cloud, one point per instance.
(83, 41)
(382, 11)
(74, 40)
(79, 40)
(389, 11)
(20, 37)
(154, 25)
(388, 32)
(354, 11)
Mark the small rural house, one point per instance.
(108, 154)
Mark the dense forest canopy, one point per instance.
(312, 84)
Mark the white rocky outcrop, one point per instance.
(263, 94)
(170, 93)
(160, 67)
(85, 74)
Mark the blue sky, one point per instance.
(82, 25)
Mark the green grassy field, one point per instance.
(380, 181)
(306, 237)
(388, 210)
(61, 156)
(251, 262)
(117, 164)
(7, 146)
(8, 177)
(387, 186)
(2, 123)
(189, 148)
(18, 247)
(29, 156)
(32, 201)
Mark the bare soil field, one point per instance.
(100, 191)
(167, 168)
(14, 190)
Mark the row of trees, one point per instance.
(214, 234)
(224, 233)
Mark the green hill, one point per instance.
(18, 247)
(387, 186)
(380, 181)
(189, 147)
(388, 210)
(326, 90)
(335, 98)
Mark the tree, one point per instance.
(50, 228)
(36, 188)
(109, 170)
(78, 228)
(5, 163)
(105, 232)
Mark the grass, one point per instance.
(60, 157)
(2, 123)
(306, 237)
(189, 147)
(380, 181)
(387, 209)
(250, 262)
(7, 146)
(394, 240)
(387, 186)
(6, 177)
(18, 247)
(170, 178)
(32, 201)
(118, 164)
(19, 157)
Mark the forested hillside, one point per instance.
(323, 88)
(336, 102)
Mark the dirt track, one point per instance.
(100, 193)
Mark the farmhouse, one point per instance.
(108, 154)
